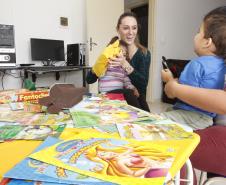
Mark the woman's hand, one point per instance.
(170, 88)
(166, 75)
(116, 61)
(121, 61)
(135, 92)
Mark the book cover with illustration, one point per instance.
(29, 132)
(114, 160)
(30, 118)
(5, 108)
(153, 131)
(22, 95)
(33, 170)
(33, 107)
(28, 182)
(16, 106)
(26, 107)
(99, 113)
(6, 96)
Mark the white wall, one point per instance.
(41, 19)
(177, 21)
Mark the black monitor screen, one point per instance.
(47, 50)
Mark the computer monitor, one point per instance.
(47, 50)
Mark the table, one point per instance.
(15, 151)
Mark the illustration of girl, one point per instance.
(131, 161)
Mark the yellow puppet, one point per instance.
(110, 51)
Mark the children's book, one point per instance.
(152, 131)
(33, 170)
(89, 113)
(5, 108)
(33, 107)
(22, 95)
(29, 132)
(28, 182)
(115, 160)
(4, 181)
(6, 96)
(16, 105)
(26, 106)
(115, 96)
(163, 121)
(28, 118)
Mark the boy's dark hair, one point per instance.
(215, 28)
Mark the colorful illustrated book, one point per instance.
(152, 131)
(6, 96)
(115, 96)
(33, 170)
(115, 160)
(5, 108)
(29, 132)
(29, 118)
(22, 95)
(99, 113)
(26, 182)
(33, 107)
(16, 105)
(26, 106)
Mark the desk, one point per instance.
(37, 70)
(11, 152)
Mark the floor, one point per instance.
(158, 107)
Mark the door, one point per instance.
(102, 16)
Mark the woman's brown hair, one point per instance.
(137, 42)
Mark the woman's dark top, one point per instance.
(139, 77)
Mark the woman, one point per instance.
(137, 67)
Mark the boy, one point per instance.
(205, 71)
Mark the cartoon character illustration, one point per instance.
(127, 161)
(34, 131)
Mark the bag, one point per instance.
(62, 96)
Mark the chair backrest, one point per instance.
(176, 66)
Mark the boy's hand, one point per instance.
(170, 88)
(166, 75)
